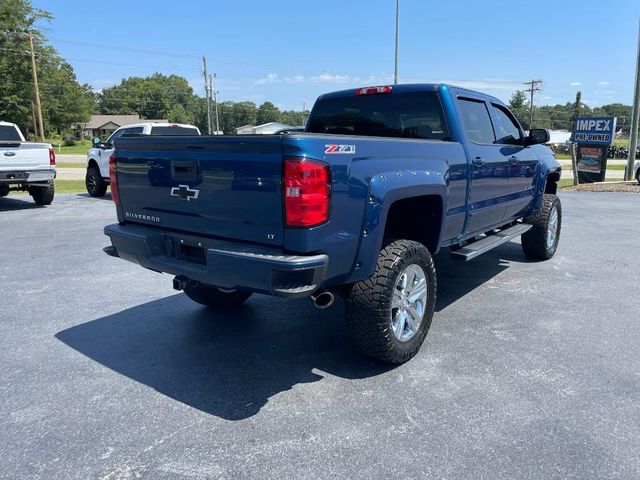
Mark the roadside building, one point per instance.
(104, 125)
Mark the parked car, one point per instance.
(636, 168)
(97, 177)
(26, 166)
(357, 205)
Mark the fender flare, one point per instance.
(385, 189)
(541, 186)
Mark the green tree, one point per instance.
(64, 100)
(268, 112)
(623, 113)
(518, 106)
(293, 118)
(149, 97)
(178, 114)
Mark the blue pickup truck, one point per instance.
(356, 205)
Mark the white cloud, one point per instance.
(295, 79)
(270, 78)
(604, 83)
(575, 84)
(326, 78)
(330, 78)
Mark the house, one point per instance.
(264, 129)
(104, 125)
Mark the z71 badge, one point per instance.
(340, 149)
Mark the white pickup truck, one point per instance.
(26, 166)
(97, 178)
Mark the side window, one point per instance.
(476, 120)
(507, 129)
(133, 130)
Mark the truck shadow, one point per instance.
(107, 196)
(230, 364)
(456, 278)
(23, 202)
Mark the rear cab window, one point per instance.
(171, 130)
(477, 122)
(8, 133)
(134, 131)
(405, 115)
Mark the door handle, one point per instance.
(513, 159)
(478, 162)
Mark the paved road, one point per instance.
(531, 370)
(80, 159)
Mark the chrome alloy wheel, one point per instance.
(408, 302)
(552, 228)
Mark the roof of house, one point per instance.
(97, 121)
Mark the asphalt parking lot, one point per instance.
(531, 370)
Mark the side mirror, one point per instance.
(96, 142)
(537, 136)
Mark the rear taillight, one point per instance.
(307, 191)
(373, 90)
(52, 157)
(113, 179)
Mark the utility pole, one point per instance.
(207, 94)
(35, 123)
(395, 72)
(576, 114)
(214, 92)
(304, 115)
(533, 88)
(635, 117)
(37, 90)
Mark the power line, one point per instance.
(123, 47)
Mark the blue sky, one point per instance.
(289, 52)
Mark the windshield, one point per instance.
(9, 133)
(174, 131)
(406, 115)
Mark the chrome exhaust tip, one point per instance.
(322, 299)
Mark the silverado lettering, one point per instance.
(142, 216)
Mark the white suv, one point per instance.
(97, 178)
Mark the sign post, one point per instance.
(593, 135)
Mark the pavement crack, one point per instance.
(129, 466)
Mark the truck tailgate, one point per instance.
(227, 187)
(24, 156)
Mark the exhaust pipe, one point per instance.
(322, 299)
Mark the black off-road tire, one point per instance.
(4, 190)
(95, 184)
(368, 314)
(534, 242)
(214, 297)
(43, 195)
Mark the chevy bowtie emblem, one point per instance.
(185, 193)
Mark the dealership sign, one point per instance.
(593, 135)
(595, 130)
